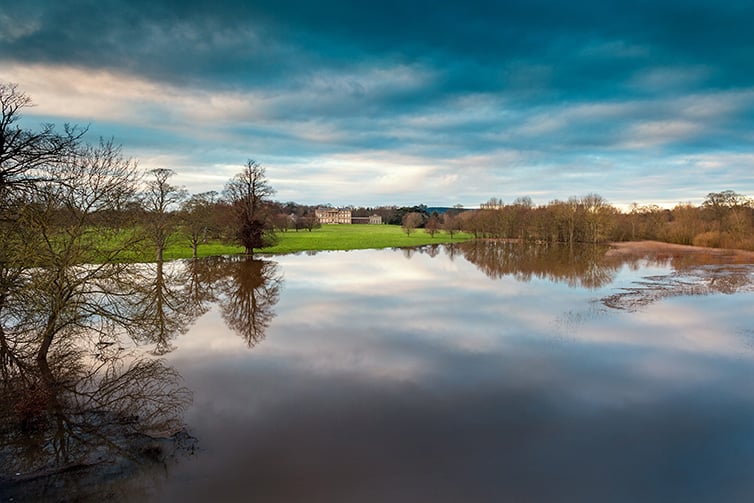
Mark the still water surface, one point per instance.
(483, 373)
(475, 374)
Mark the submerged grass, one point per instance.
(355, 237)
(328, 237)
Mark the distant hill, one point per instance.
(442, 209)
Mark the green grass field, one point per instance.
(328, 237)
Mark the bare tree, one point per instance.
(308, 222)
(282, 222)
(432, 226)
(721, 204)
(56, 294)
(199, 217)
(411, 221)
(598, 217)
(25, 159)
(248, 193)
(24, 153)
(685, 225)
(159, 199)
(451, 223)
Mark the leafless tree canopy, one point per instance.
(411, 221)
(159, 200)
(24, 154)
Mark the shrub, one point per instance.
(709, 239)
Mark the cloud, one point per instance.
(481, 99)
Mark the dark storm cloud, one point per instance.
(581, 48)
(514, 89)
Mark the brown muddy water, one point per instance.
(485, 372)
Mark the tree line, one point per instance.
(725, 220)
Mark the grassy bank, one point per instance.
(328, 237)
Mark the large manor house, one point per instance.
(343, 216)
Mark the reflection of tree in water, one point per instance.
(202, 276)
(409, 251)
(695, 273)
(432, 250)
(583, 266)
(248, 294)
(168, 298)
(79, 414)
(76, 411)
(86, 420)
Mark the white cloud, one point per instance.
(101, 95)
(324, 139)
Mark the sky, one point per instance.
(404, 102)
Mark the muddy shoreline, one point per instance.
(660, 249)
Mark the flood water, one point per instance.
(483, 373)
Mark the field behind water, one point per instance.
(328, 237)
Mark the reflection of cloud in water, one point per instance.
(390, 272)
(454, 386)
(693, 326)
(588, 421)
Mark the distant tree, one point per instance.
(160, 199)
(648, 221)
(720, 205)
(685, 224)
(738, 225)
(387, 213)
(493, 203)
(451, 223)
(248, 194)
(281, 222)
(598, 217)
(470, 221)
(566, 215)
(433, 225)
(396, 218)
(520, 212)
(199, 217)
(411, 221)
(308, 222)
